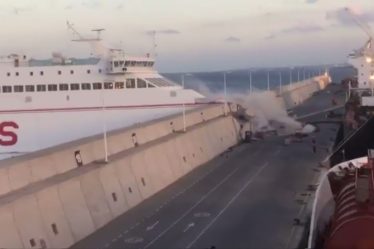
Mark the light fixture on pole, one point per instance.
(291, 75)
(105, 137)
(298, 75)
(225, 92)
(250, 82)
(184, 103)
(280, 82)
(304, 76)
(268, 79)
(184, 108)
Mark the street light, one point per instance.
(291, 76)
(250, 82)
(298, 75)
(184, 105)
(304, 74)
(105, 137)
(225, 90)
(280, 82)
(268, 80)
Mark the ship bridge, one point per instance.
(120, 63)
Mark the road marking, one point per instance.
(189, 226)
(202, 215)
(229, 203)
(150, 228)
(191, 208)
(134, 240)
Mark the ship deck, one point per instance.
(249, 197)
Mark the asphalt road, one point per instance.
(245, 198)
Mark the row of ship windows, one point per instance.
(133, 63)
(130, 83)
(41, 73)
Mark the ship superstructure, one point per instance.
(48, 102)
(343, 211)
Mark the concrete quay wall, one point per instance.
(60, 209)
(47, 200)
(19, 172)
(294, 94)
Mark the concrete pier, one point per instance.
(57, 197)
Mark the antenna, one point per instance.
(154, 40)
(98, 31)
(364, 26)
(81, 38)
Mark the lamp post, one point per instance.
(250, 82)
(105, 137)
(298, 75)
(225, 91)
(280, 82)
(184, 107)
(268, 80)
(291, 75)
(184, 103)
(304, 76)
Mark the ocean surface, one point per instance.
(238, 80)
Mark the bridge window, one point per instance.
(108, 85)
(115, 63)
(130, 83)
(86, 86)
(52, 87)
(8, 74)
(17, 73)
(31, 73)
(71, 71)
(7, 89)
(63, 87)
(18, 88)
(119, 85)
(133, 63)
(100, 70)
(88, 71)
(59, 72)
(30, 88)
(127, 63)
(74, 86)
(41, 88)
(142, 83)
(41, 73)
(97, 86)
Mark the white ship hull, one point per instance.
(68, 118)
(324, 204)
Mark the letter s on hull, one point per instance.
(8, 138)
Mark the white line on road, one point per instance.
(189, 226)
(149, 228)
(229, 203)
(190, 209)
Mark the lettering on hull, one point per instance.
(8, 135)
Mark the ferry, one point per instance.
(49, 102)
(343, 210)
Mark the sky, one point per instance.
(192, 35)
